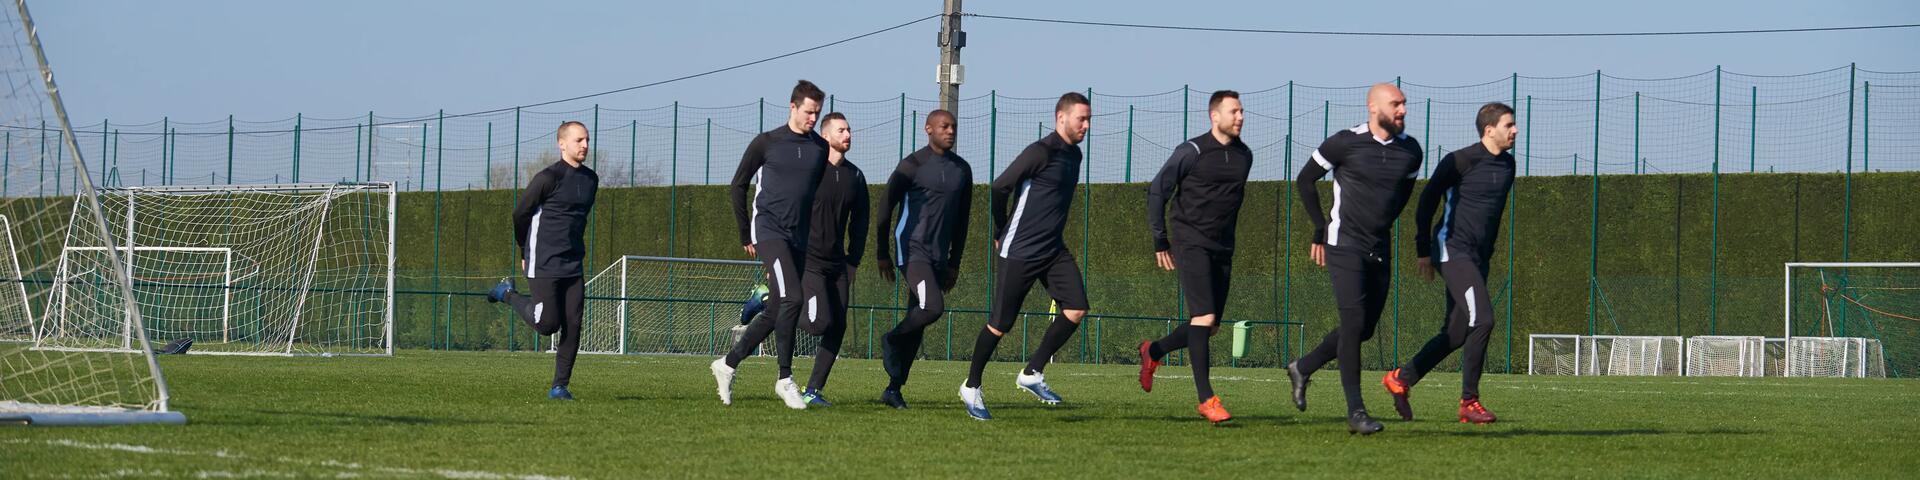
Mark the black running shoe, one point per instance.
(1361, 423)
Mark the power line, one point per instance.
(1338, 33)
(570, 99)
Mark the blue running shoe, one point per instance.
(559, 393)
(499, 292)
(815, 399)
(1037, 383)
(976, 405)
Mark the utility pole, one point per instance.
(950, 72)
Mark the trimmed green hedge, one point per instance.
(1656, 256)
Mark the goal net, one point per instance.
(1852, 319)
(640, 304)
(1550, 354)
(1726, 356)
(47, 194)
(294, 269)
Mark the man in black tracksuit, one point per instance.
(934, 189)
(1373, 168)
(550, 225)
(1030, 249)
(1207, 180)
(835, 241)
(1472, 183)
(784, 165)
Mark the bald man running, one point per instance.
(1373, 166)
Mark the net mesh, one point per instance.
(268, 269)
(1880, 302)
(38, 203)
(1726, 356)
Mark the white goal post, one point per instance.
(277, 269)
(1838, 352)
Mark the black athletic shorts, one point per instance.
(1204, 277)
(1058, 273)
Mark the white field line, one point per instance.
(345, 469)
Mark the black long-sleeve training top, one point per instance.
(784, 168)
(1044, 176)
(935, 194)
(1372, 180)
(550, 222)
(839, 217)
(1207, 182)
(1473, 182)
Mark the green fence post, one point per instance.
(1086, 212)
(1512, 234)
(993, 153)
(1846, 216)
(1186, 105)
(1636, 133)
(423, 158)
(1753, 130)
(1129, 174)
(104, 132)
(370, 137)
(166, 138)
(1286, 295)
(1866, 126)
(675, 160)
(633, 150)
(1593, 218)
(489, 171)
(1713, 248)
(296, 149)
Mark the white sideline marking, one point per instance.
(350, 469)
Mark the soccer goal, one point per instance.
(289, 269)
(641, 304)
(1851, 319)
(1554, 354)
(47, 193)
(1726, 356)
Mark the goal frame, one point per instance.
(1786, 296)
(392, 204)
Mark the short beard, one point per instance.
(1386, 123)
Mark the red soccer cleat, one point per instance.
(1213, 411)
(1147, 365)
(1399, 391)
(1472, 412)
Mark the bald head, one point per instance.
(940, 130)
(1386, 110)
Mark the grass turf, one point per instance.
(484, 415)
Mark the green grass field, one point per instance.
(484, 415)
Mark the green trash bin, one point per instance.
(1241, 330)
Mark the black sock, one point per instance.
(982, 353)
(1175, 340)
(1057, 335)
(1197, 343)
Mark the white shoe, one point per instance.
(789, 393)
(975, 403)
(723, 375)
(1037, 385)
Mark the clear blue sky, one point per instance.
(135, 61)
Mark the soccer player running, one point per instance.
(933, 187)
(1030, 249)
(784, 165)
(1373, 167)
(550, 225)
(1473, 182)
(840, 208)
(1207, 180)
